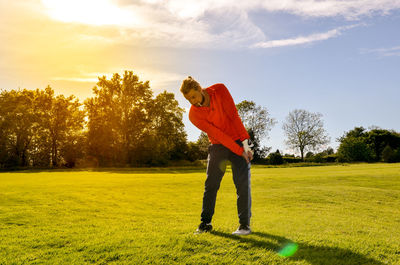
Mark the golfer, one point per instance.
(214, 112)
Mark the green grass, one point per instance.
(342, 214)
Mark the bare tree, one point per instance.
(305, 131)
(258, 123)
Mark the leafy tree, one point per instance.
(62, 120)
(127, 126)
(353, 146)
(193, 152)
(3, 143)
(328, 151)
(203, 142)
(258, 123)
(36, 125)
(362, 145)
(118, 118)
(305, 131)
(318, 158)
(18, 123)
(167, 130)
(396, 155)
(198, 150)
(356, 133)
(354, 149)
(388, 154)
(378, 139)
(41, 146)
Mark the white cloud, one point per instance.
(350, 9)
(179, 26)
(298, 40)
(303, 39)
(220, 23)
(393, 51)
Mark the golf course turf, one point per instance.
(339, 214)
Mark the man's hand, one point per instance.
(247, 153)
(248, 156)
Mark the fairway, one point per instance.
(342, 214)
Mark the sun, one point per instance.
(92, 12)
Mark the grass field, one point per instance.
(343, 214)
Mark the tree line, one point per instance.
(374, 145)
(124, 124)
(305, 134)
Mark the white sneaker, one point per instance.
(242, 230)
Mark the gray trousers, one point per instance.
(218, 155)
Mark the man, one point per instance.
(214, 112)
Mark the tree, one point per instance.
(388, 154)
(203, 142)
(193, 152)
(305, 131)
(328, 151)
(378, 139)
(118, 119)
(257, 121)
(36, 126)
(18, 123)
(362, 145)
(396, 155)
(73, 149)
(354, 149)
(167, 130)
(353, 146)
(127, 126)
(63, 121)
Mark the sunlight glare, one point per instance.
(92, 12)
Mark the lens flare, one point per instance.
(288, 250)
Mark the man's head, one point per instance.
(191, 90)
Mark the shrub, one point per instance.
(275, 158)
(319, 158)
(331, 158)
(290, 159)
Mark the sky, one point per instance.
(338, 58)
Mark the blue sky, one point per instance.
(338, 58)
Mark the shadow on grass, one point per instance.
(313, 254)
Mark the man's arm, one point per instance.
(231, 111)
(217, 134)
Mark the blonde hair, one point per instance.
(188, 84)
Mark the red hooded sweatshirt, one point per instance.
(220, 120)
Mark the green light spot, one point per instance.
(288, 250)
(222, 165)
